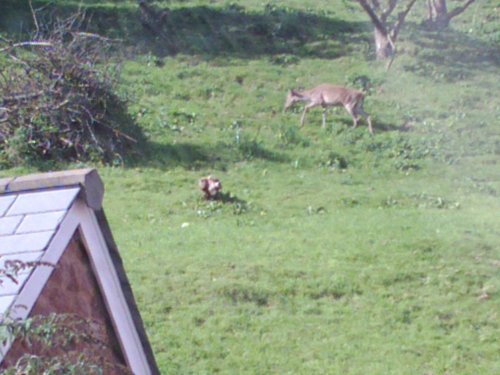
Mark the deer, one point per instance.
(326, 95)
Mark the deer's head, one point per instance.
(292, 98)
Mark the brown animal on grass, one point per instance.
(326, 96)
(210, 186)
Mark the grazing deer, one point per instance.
(326, 95)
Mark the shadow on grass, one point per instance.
(340, 125)
(195, 157)
(345, 125)
(451, 55)
(211, 31)
(230, 198)
(235, 31)
(387, 127)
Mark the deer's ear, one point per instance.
(294, 93)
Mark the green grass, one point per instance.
(343, 253)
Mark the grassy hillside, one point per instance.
(341, 252)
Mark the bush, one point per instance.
(59, 98)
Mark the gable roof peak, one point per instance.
(92, 187)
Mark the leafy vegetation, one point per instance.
(54, 344)
(59, 100)
(66, 332)
(340, 252)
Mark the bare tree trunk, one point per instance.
(439, 11)
(439, 16)
(384, 47)
(385, 37)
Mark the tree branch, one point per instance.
(34, 17)
(401, 19)
(430, 10)
(24, 44)
(22, 97)
(386, 13)
(455, 12)
(376, 4)
(379, 25)
(95, 36)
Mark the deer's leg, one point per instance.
(306, 108)
(303, 116)
(355, 120)
(352, 111)
(324, 118)
(366, 116)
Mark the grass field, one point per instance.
(341, 253)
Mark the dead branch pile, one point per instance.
(58, 99)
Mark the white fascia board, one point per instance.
(112, 292)
(81, 216)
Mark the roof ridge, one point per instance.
(88, 179)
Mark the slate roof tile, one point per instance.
(40, 222)
(8, 287)
(43, 201)
(20, 243)
(28, 221)
(5, 303)
(8, 225)
(23, 257)
(5, 203)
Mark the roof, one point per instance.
(28, 222)
(38, 216)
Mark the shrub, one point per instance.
(59, 99)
